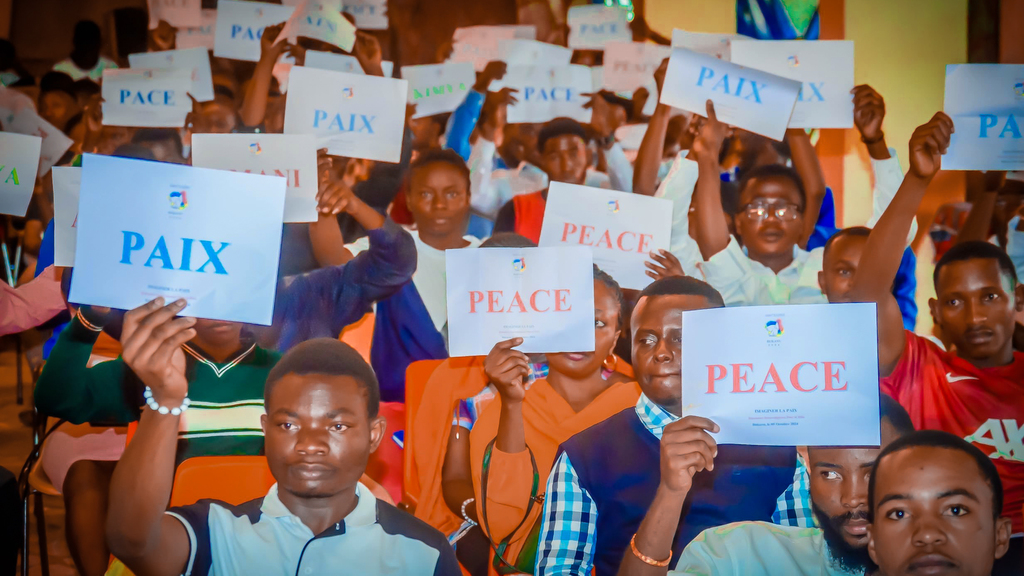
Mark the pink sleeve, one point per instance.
(30, 305)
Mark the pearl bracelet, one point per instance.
(465, 503)
(155, 406)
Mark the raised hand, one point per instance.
(602, 120)
(494, 113)
(335, 197)
(664, 265)
(686, 448)
(659, 75)
(507, 369)
(367, 51)
(163, 37)
(868, 112)
(151, 346)
(270, 48)
(494, 70)
(927, 145)
(708, 144)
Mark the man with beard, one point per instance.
(838, 547)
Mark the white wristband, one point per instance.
(155, 406)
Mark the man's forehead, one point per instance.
(926, 472)
(666, 309)
(972, 274)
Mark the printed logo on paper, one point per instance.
(348, 93)
(774, 328)
(255, 148)
(519, 265)
(613, 206)
(1018, 89)
(179, 200)
(793, 61)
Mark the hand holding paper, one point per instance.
(507, 369)
(927, 145)
(686, 448)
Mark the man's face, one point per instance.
(426, 133)
(216, 333)
(57, 107)
(439, 199)
(519, 144)
(318, 434)
(657, 346)
(974, 306)
(840, 266)
(763, 231)
(565, 159)
(165, 151)
(839, 497)
(214, 117)
(933, 515)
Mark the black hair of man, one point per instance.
(87, 35)
(134, 151)
(85, 87)
(945, 440)
(147, 135)
(329, 357)
(730, 197)
(683, 286)
(444, 155)
(773, 171)
(508, 240)
(610, 283)
(976, 250)
(862, 231)
(891, 410)
(560, 127)
(56, 82)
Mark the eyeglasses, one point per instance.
(781, 210)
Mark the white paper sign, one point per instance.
(55, 143)
(631, 65)
(717, 45)
(19, 163)
(986, 103)
(784, 375)
(202, 36)
(352, 115)
(744, 97)
(369, 14)
(519, 52)
(292, 156)
(622, 229)
(592, 26)
(546, 93)
(824, 67)
(438, 88)
(151, 98)
(66, 183)
(319, 21)
(480, 44)
(240, 26)
(630, 136)
(177, 13)
(196, 61)
(150, 229)
(342, 63)
(543, 295)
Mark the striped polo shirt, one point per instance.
(263, 537)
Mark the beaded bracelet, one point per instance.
(464, 515)
(156, 407)
(646, 559)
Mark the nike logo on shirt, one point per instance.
(950, 378)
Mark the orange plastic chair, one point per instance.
(385, 465)
(416, 376)
(360, 335)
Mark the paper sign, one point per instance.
(824, 67)
(630, 136)
(19, 163)
(784, 375)
(194, 60)
(55, 143)
(986, 103)
(592, 26)
(149, 229)
(202, 36)
(240, 26)
(292, 156)
(352, 115)
(146, 97)
(546, 93)
(533, 53)
(438, 88)
(543, 295)
(313, 19)
(521, 31)
(11, 102)
(631, 65)
(622, 229)
(177, 13)
(66, 183)
(342, 63)
(369, 14)
(744, 97)
(480, 44)
(717, 45)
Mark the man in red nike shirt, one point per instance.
(976, 389)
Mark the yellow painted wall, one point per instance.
(692, 15)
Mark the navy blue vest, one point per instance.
(402, 334)
(618, 464)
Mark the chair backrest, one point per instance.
(416, 376)
(359, 335)
(385, 464)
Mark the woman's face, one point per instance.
(579, 365)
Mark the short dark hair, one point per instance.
(940, 439)
(891, 410)
(559, 127)
(86, 35)
(85, 87)
(437, 155)
(683, 286)
(975, 250)
(56, 82)
(508, 240)
(134, 151)
(610, 283)
(774, 171)
(860, 231)
(148, 135)
(333, 358)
